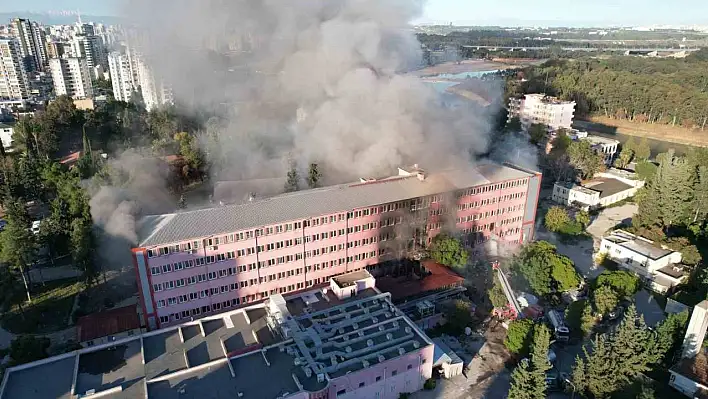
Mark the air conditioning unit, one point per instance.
(192, 251)
(214, 247)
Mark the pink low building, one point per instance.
(197, 263)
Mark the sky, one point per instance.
(480, 12)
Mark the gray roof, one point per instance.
(183, 226)
(608, 186)
(646, 249)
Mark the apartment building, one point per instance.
(91, 48)
(543, 109)
(13, 78)
(129, 72)
(71, 77)
(197, 263)
(122, 76)
(33, 41)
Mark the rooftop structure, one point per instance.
(330, 348)
(433, 277)
(197, 263)
(659, 266)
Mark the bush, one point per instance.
(556, 218)
(624, 283)
(27, 348)
(518, 336)
(429, 384)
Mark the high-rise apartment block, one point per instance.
(129, 73)
(71, 77)
(542, 109)
(91, 48)
(195, 263)
(13, 78)
(32, 39)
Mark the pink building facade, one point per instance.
(198, 263)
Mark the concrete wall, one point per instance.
(388, 386)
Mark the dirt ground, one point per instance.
(673, 134)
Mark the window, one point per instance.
(341, 392)
(394, 372)
(378, 378)
(361, 385)
(410, 366)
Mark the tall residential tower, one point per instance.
(71, 77)
(13, 79)
(32, 41)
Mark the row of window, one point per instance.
(493, 187)
(480, 216)
(488, 201)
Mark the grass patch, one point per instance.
(49, 310)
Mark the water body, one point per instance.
(444, 81)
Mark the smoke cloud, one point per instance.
(314, 80)
(310, 81)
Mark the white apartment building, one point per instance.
(32, 43)
(6, 132)
(604, 189)
(129, 72)
(543, 109)
(657, 265)
(13, 78)
(122, 76)
(91, 48)
(71, 77)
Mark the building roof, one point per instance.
(182, 226)
(442, 354)
(607, 186)
(5, 126)
(639, 245)
(231, 354)
(600, 140)
(695, 368)
(402, 287)
(110, 322)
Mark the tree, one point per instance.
(616, 358)
(18, 242)
(625, 156)
(514, 124)
(522, 382)
(448, 251)
(605, 299)
(181, 204)
(136, 98)
(564, 273)
(528, 381)
(189, 149)
(544, 269)
(460, 315)
(643, 151)
(700, 204)
(587, 319)
(583, 218)
(669, 337)
(314, 176)
(556, 218)
(624, 283)
(585, 159)
(27, 348)
(645, 170)
(497, 296)
(518, 336)
(292, 182)
(668, 198)
(537, 133)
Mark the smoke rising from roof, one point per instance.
(314, 80)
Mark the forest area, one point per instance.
(646, 90)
